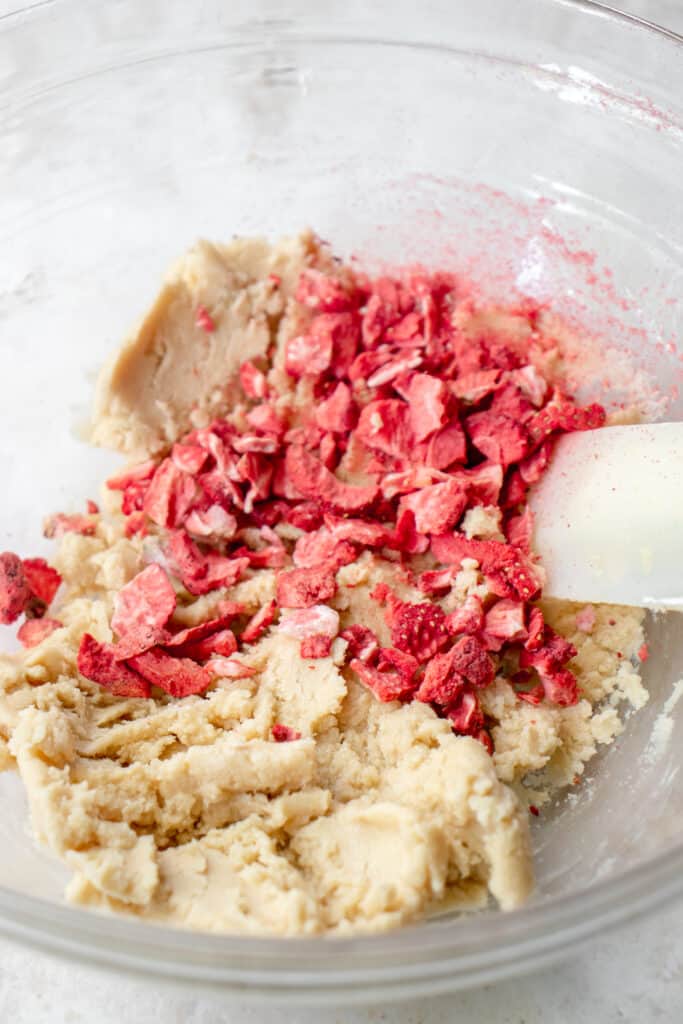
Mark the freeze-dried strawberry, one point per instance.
(265, 444)
(179, 677)
(328, 451)
(204, 320)
(447, 446)
(474, 387)
(136, 523)
(284, 734)
(394, 369)
(405, 537)
(465, 715)
(58, 525)
(392, 659)
(394, 484)
(316, 483)
(366, 364)
(257, 470)
(92, 508)
(437, 508)
(559, 683)
(15, 592)
(532, 696)
(363, 645)
(318, 620)
(193, 634)
(359, 531)
(219, 489)
(338, 413)
(419, 629)
(141, 610)
(34, 631)
(229, 668)
(42, 579)
(519, 530)
(322, 548)
(316, 646)
(467, 618)
(144, 471)
(485, 482)
(384, 426)
(531, 382)
(561, 415)
(498, 437)
(441, 682)
(198, 572)
(213, 521)
(306, 516)
(427, 397)
(253, 381)
(535, 630)
(272, 556)
(98, 663)
(534, 466)
(221, 642)
(505, 619)
(190, 458)
(302, 588)
(471, 659)
(643, 652)
(259, 623)
(308, 355)
(317, 291)
(508, 572)
(266, 419)
(560, 686)
(435, 581)
(170, 495)
(386, 686)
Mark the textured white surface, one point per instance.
(635, 975)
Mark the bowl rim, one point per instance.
(425, 958)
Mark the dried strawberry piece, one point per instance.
(328, 451)
(394, 369)
(313, 481)
(467, 618)
(465, 715)
(141, 473)
(392, 659)
(405, 537)
(253, 381)
(189, 458)
(42, 579)
(532, 383)
(586, 618)
(34, 631)
(447, 446)
(273, 556)
(441, 683)
(534, 466)
(179, 677)
(222, 642)
(535, 630)
(133, 498)
(259, 623)
(317, 646)
(359, 531)
(427, 397)
(318, 620)
(229, 668)
(559, 684)
(365, 365)
(322, 548)
(394, 484)
(485, 482)
(136, 523)
(508, 571)
(308, 355)
(213, 521)
(265, 444)
(15, 592)
(338, 413)
(302, 588)
(204, 320)
(561, 415)
(386, 686)
(474, 387)
(58, 525)
(435, 581)
(220, 489)
(498, 437)
(534, 696)
(98, 662)
(384, 426)
(257, 470)
(306, 516)
(270, 513)
(284, 734)
(419, 629)
(317, 291)
(92, 508)
(170, 495)
(505, 620)
(266, 419)
(438, 508)
(519, 530)
(141, 610)
(472, 660)
(643, 652)
(193, 634)
(363, 644)
(198, 572)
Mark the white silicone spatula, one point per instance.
(609, 516)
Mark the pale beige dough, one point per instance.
(186, 811)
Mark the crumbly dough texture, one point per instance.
(187, 811)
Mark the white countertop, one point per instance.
(636, 974)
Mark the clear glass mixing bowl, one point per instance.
(512, 140)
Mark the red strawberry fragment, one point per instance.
(98, 662)
(229, 668)
(386, 686)
(419, 629)
(141, 610)
(318, 645)
(284, 734)
(465, 714)
(204, 320)
(316, 483)
(15, 592)
(179, 677)
(42, 579)
(34, 631)
(60, 524)
(170, 495)
(302, 588)
(441, 683)
(363, 644)
(259, 623)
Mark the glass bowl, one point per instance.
(536, 146)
